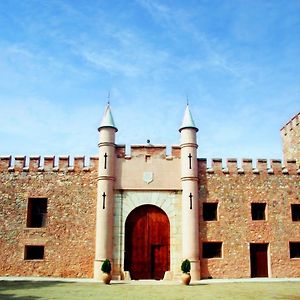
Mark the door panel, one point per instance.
(259, 260)
(147, 243)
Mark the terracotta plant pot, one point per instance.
(186, 278)
(106, 278)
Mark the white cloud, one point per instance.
(111, 64)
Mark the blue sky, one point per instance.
(238, 62)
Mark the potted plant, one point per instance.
(186, 268)
(106, 269)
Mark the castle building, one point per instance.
(148, 211)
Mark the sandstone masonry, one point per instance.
(246, 215)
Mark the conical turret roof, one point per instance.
(188, 121)
(108, 120)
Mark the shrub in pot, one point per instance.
(186, 268)
(106, 269)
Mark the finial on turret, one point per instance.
(188, 121)
(108, 98)
(108, 120)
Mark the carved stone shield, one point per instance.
(148, 177)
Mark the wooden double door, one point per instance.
(147, 243)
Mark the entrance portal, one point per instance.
(147, 243)
(259, 260)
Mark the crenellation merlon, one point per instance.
(79, 163)
(5, 163)
(291, 166)
(232, 165)
(217, 165)
(19, 163)
(34, 163)
(63, 163)
(120, 151)
(48, 163)
(262, 166)
(176, 151)
(247, 165)
(276, 166)
(94, 160)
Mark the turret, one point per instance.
(190, 199)
(290, 135)
(105, 191)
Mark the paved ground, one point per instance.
(41, 288)
(149, 282)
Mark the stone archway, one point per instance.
(147, 243)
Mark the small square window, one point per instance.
(212, 250)
(294, 249)
(37, 212)
(34, 252)
(295, 212)
(210, 211)
(258, 211)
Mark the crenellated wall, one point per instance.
(234, 189)
(248, 166)
(78, 164)
(69, 232)
(47, 164)
(70, 187)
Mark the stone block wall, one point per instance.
(234, 189)
(68, 236)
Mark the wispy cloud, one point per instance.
(59, 58)
(108, 62)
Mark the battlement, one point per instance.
(47, 164)
(291, 124)
(155, 151)
(247, 167)
(215, 166)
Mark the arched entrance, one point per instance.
(147, 243)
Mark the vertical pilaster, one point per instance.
(105, 192)
(190, 197)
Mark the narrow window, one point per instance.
(258, 211)
(36, 212)
(212, 250)
(34, 252)
(295, 212)
(294, 249)
(210, 211)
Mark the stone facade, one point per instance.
(69, 232)
(76, 209)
